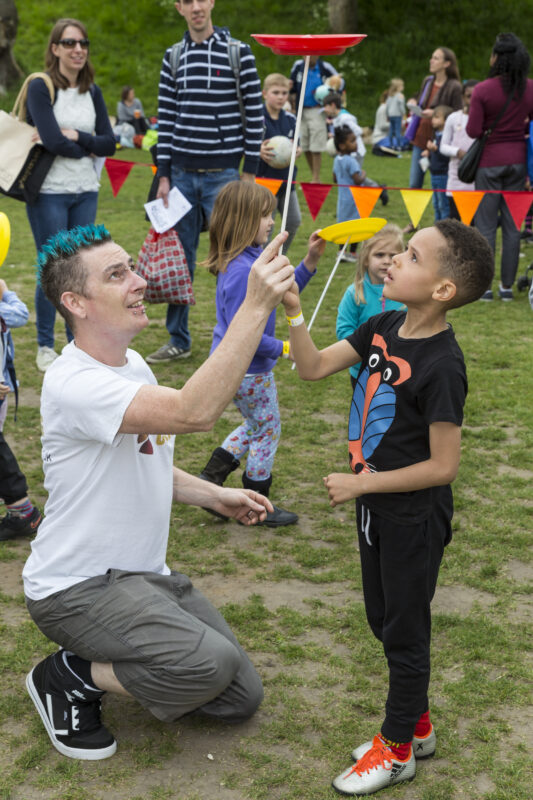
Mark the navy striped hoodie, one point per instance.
(200, 124)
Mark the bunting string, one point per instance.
(365, 197)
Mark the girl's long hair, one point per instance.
(235, 220)
(390, 234)
(512, 63)
(86, 74)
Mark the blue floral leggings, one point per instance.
(258, 436)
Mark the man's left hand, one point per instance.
(244, 505)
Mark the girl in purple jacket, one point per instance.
(240, 226)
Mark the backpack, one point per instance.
(234, 57)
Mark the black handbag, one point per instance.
(469, 164)
(24, 164)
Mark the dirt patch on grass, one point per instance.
(292, 593)
(459, 600)
(11, 577)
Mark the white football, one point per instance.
(330, 147)
(321, 92)
(282, 149)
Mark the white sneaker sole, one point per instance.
(70, 752)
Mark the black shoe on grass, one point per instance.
(70, 710)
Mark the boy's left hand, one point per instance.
(341, 487)
(316, 247)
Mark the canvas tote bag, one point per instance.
(24, 163)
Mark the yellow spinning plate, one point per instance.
(5, 236)
(356, 230)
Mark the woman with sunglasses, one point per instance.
(75, 128)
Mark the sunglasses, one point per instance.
(70, 44)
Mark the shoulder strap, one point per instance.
(234, 56)
(19, 109)
(175, 54)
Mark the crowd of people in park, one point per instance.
(96, 581)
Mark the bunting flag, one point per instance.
(415, 201)
(467, 204)
(315, 195)
(518, 204)
(118, 171)
(365, 198)
(271, 183)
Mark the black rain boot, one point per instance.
(217, 470)
(276, 518)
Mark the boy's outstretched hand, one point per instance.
(342, 486)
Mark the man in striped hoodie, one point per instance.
(210, 116)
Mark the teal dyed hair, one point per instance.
(60, 267)
(68, 243)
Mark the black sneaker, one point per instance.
(279, 517)
(12, 526)
(70, 711)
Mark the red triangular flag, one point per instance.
(519, 204)
(118, 171)
(315, 194)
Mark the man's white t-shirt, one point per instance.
(110, 494)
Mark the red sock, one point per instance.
(423, 726)
(400, 750)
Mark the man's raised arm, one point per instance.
(201, 401)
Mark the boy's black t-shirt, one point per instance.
(404, 385)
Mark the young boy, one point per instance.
(404, 441)
(347, 171)
(278, 122)
(438, 163)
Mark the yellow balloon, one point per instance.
(5, 236)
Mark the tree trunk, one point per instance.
(342, 16)
(9, 70)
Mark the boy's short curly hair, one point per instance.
(467, 259)
(60, 267)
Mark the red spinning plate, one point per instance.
(332, 44)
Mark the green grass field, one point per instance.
(294, 595)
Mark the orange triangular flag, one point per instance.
(467, 204)
(271, 183)
(154, 168)
(519, 204)
(118, 171)
(365, 198)
(315, 194)
(415, 201)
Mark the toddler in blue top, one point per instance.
(240, 226)
(364, 297)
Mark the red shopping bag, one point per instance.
(163, 265)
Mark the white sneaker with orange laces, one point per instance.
(375, 770)
(423, 746)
